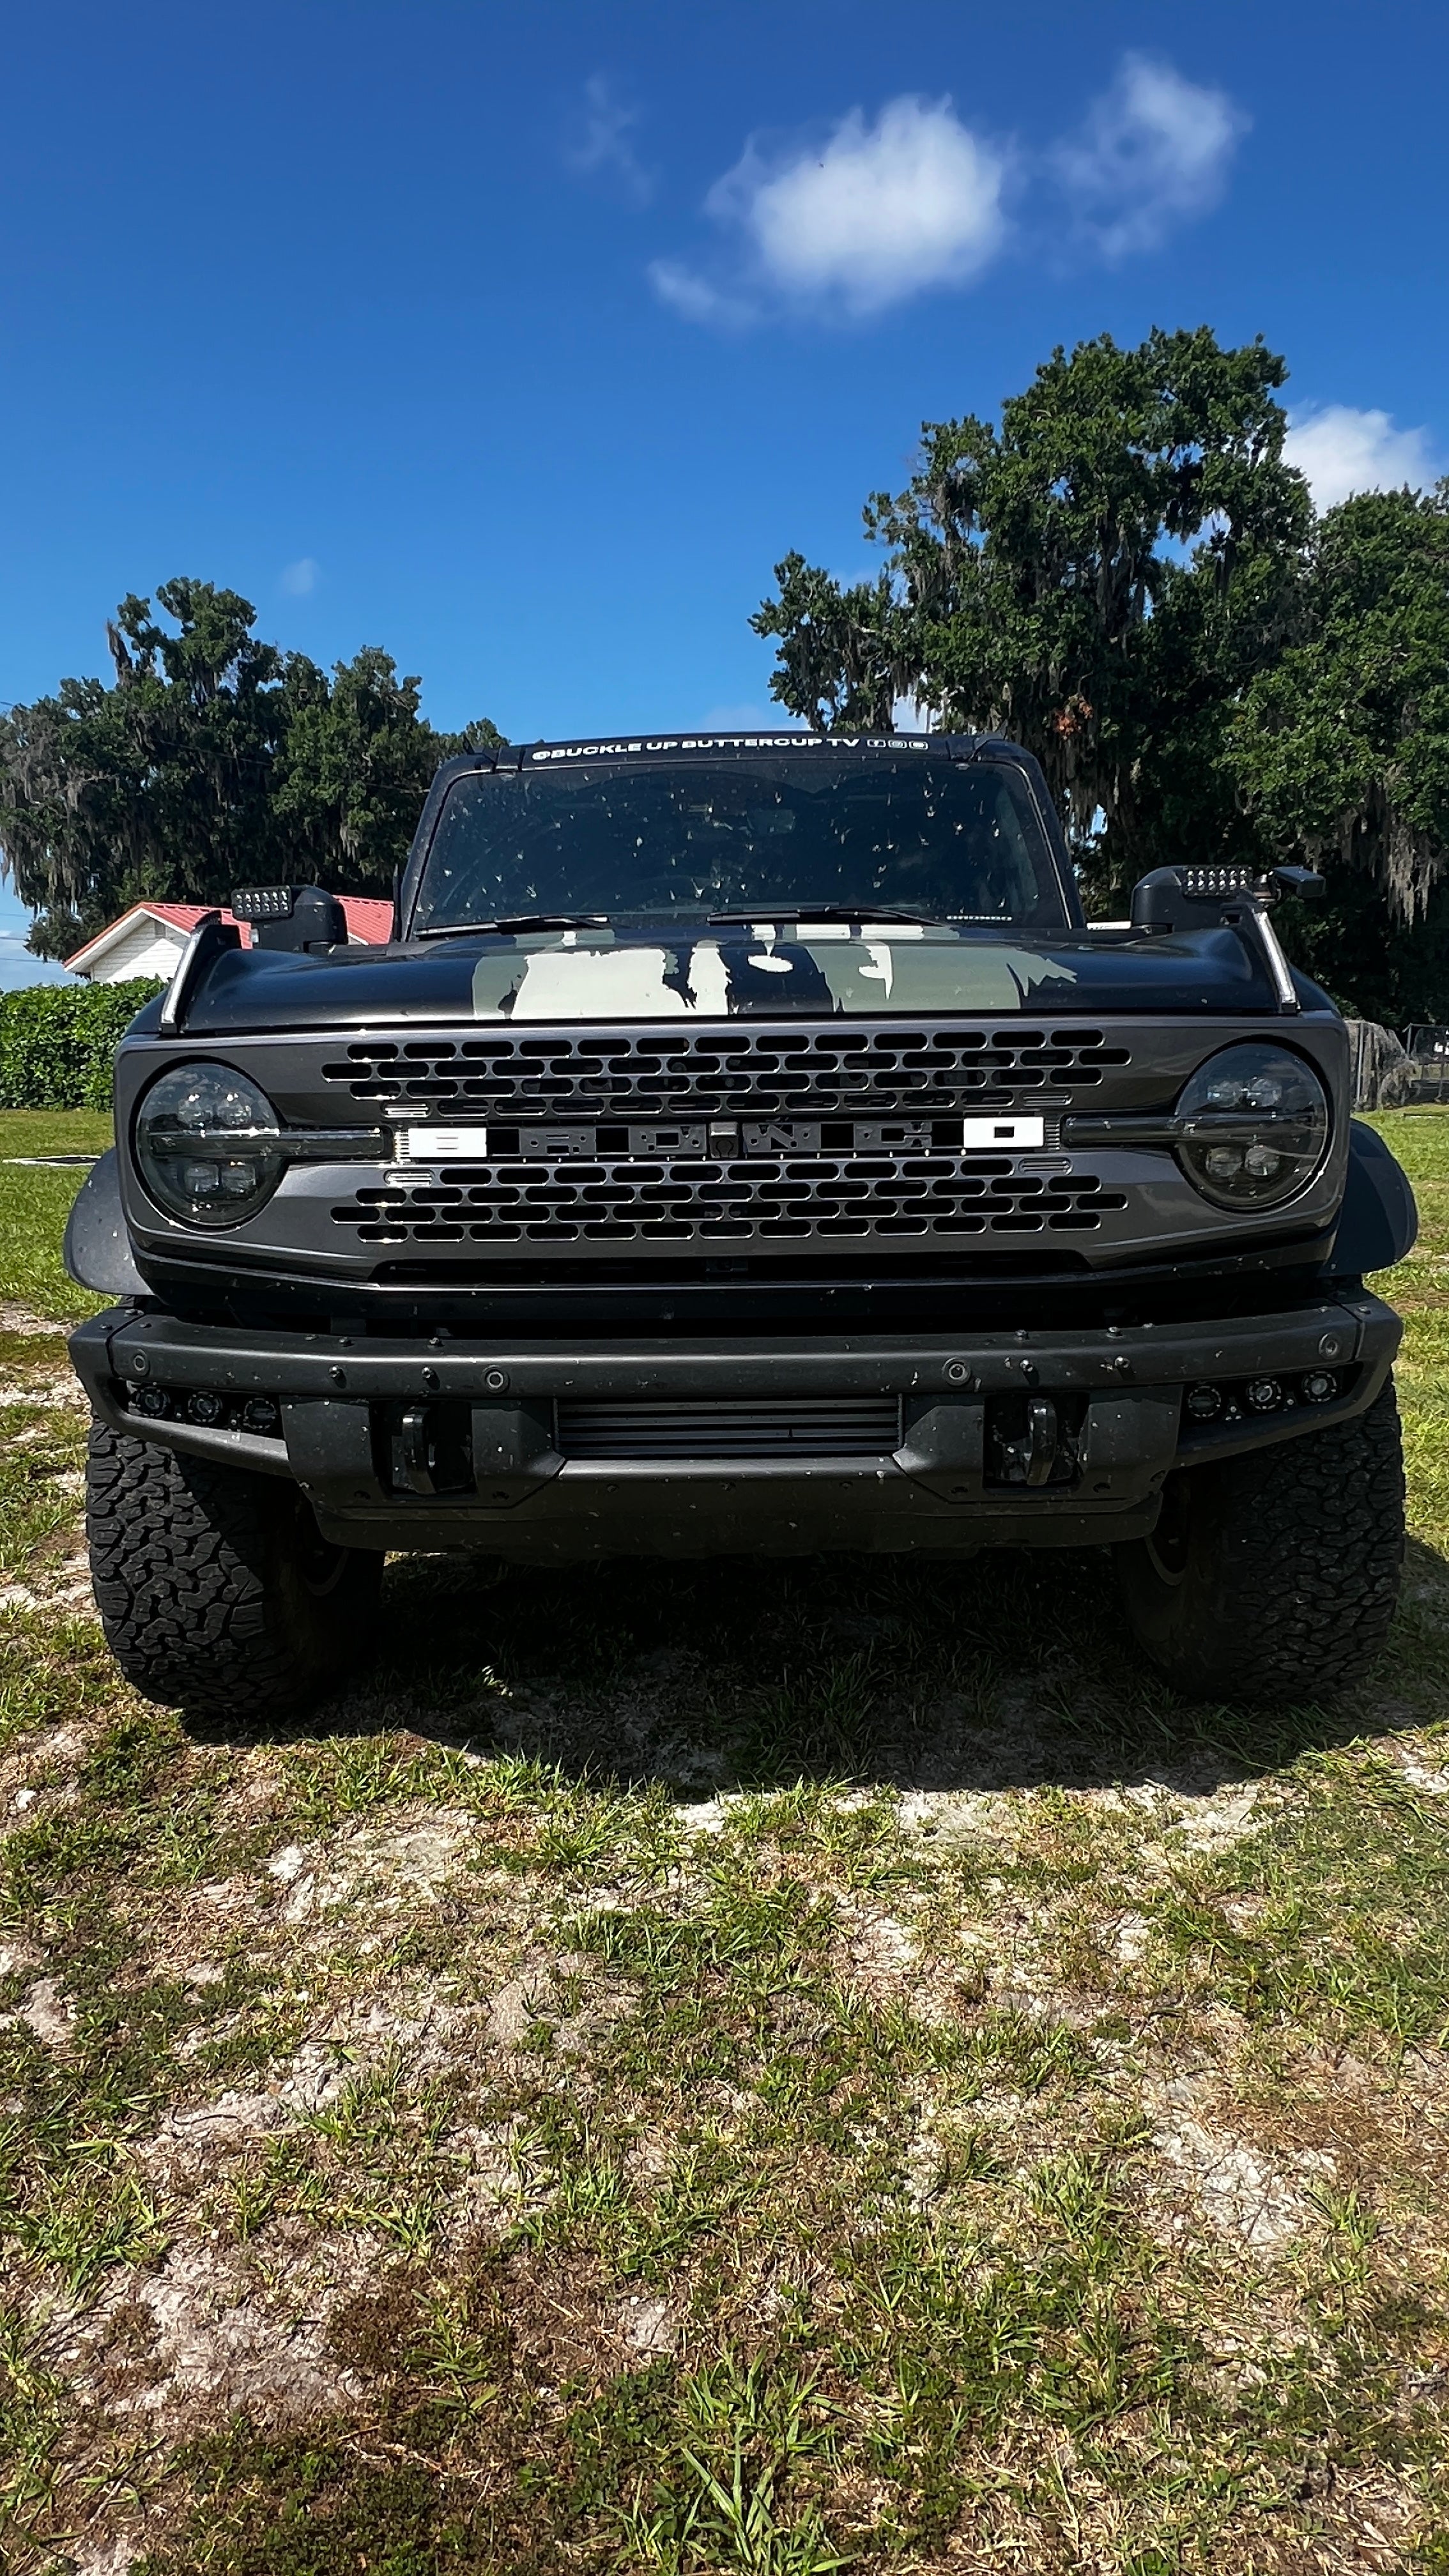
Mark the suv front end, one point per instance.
(785, 1208)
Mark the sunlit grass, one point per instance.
(725, 2068)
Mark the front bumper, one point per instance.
(401, 1445)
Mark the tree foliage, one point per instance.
(1127, 577)
(1341, 744)
(209, 760)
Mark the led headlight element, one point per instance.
(208, 1145)
(1254, 1126)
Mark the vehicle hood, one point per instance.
(665, 973)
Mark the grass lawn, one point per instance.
(728, 2068)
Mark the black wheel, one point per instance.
(1274, 1577)
(217, 1592)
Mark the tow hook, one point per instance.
(1029, 1442)
(1037, 1452)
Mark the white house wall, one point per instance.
(148, 948)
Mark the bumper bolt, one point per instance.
(338, 1376)
(431, 1380)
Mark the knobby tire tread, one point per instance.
(1303, 1576)
(184, 1560)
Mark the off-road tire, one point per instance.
(1273, 1578)
(217, 1594)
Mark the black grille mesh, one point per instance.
(804, 1426)
(762, 1199)
(763, 1073)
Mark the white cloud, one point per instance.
(1154, 150)
(875, 214)
(602, 148)
(1341, 450)
(879, 212)
(694, 296)
(300, 578)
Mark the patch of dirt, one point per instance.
(46, 2012)
(879, 1956)
(1258, 2200)
(62, 1387)
(203, 2337)
(19, 1319)
(1432, 1778)
(392, 1868)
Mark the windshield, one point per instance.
(771, 835)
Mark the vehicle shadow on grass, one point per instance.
(1004, 1672)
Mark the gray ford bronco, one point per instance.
(743, 1144)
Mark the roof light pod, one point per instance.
(1253, 1127)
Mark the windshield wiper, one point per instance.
(518, 921)
(820, 912)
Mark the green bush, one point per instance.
(57, 1042)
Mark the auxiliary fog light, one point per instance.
(1264, 1394)
(1204, 1403)
(205, 1408)
(1320, 1386)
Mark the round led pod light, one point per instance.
(209, 1145)
(1253, 1127)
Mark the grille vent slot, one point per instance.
(754, 1073)
(805, 1426)
(762, 1199)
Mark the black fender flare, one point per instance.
(97, 1249)
(1378, 1222)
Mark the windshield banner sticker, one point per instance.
(726, 978)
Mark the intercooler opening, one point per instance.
(806, 1426)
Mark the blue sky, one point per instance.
(523, 340)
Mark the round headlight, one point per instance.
(208, 1145)
(1254, 1126)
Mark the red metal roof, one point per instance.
(369, 920)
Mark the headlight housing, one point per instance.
(1253, 1127)
(208, 1144)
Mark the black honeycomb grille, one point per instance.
(763, 1073)
(763, 1200)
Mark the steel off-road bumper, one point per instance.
(990, 1440)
